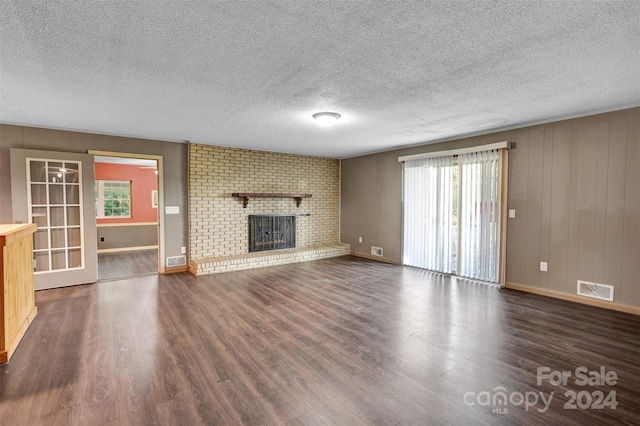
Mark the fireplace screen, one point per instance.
(271, 232)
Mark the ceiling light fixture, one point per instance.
(326, 119)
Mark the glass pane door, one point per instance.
(55, 205)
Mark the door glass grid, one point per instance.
(55, 204)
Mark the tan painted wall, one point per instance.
(174, 158)
(219, 223)
(575, 185)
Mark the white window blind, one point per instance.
(480, 215)
(452, 213)
(429, 231)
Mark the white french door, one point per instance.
(55, 190)
(453, 214)
(54, 203)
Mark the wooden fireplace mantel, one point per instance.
(246, 195)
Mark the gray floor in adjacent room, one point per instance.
(127, 264)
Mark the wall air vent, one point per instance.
(176, 261)
(595, 290)
(376, 251)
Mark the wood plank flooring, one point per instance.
(341, 341)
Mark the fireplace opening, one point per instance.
(272, 232)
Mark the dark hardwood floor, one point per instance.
(341, 341)
(127, 264)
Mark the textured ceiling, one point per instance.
(250, 73)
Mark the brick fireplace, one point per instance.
(219, 230)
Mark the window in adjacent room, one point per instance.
(113, 198)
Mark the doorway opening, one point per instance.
(127, 218)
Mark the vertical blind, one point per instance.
(480, 215)
(429, 194)
(452, 214)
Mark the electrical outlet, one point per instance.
(184, 250)
(543, 267)
(359, 239)
(102, 239)
(512, 213)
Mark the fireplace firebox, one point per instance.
(271, 232)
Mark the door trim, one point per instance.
(159, 159)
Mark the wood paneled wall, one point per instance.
(575, 186)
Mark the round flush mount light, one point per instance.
(326, 119)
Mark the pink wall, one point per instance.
(143, 181)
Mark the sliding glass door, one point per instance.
(453, 214)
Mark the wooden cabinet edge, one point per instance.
(12, 233)
(6, 355)
(16, 279)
